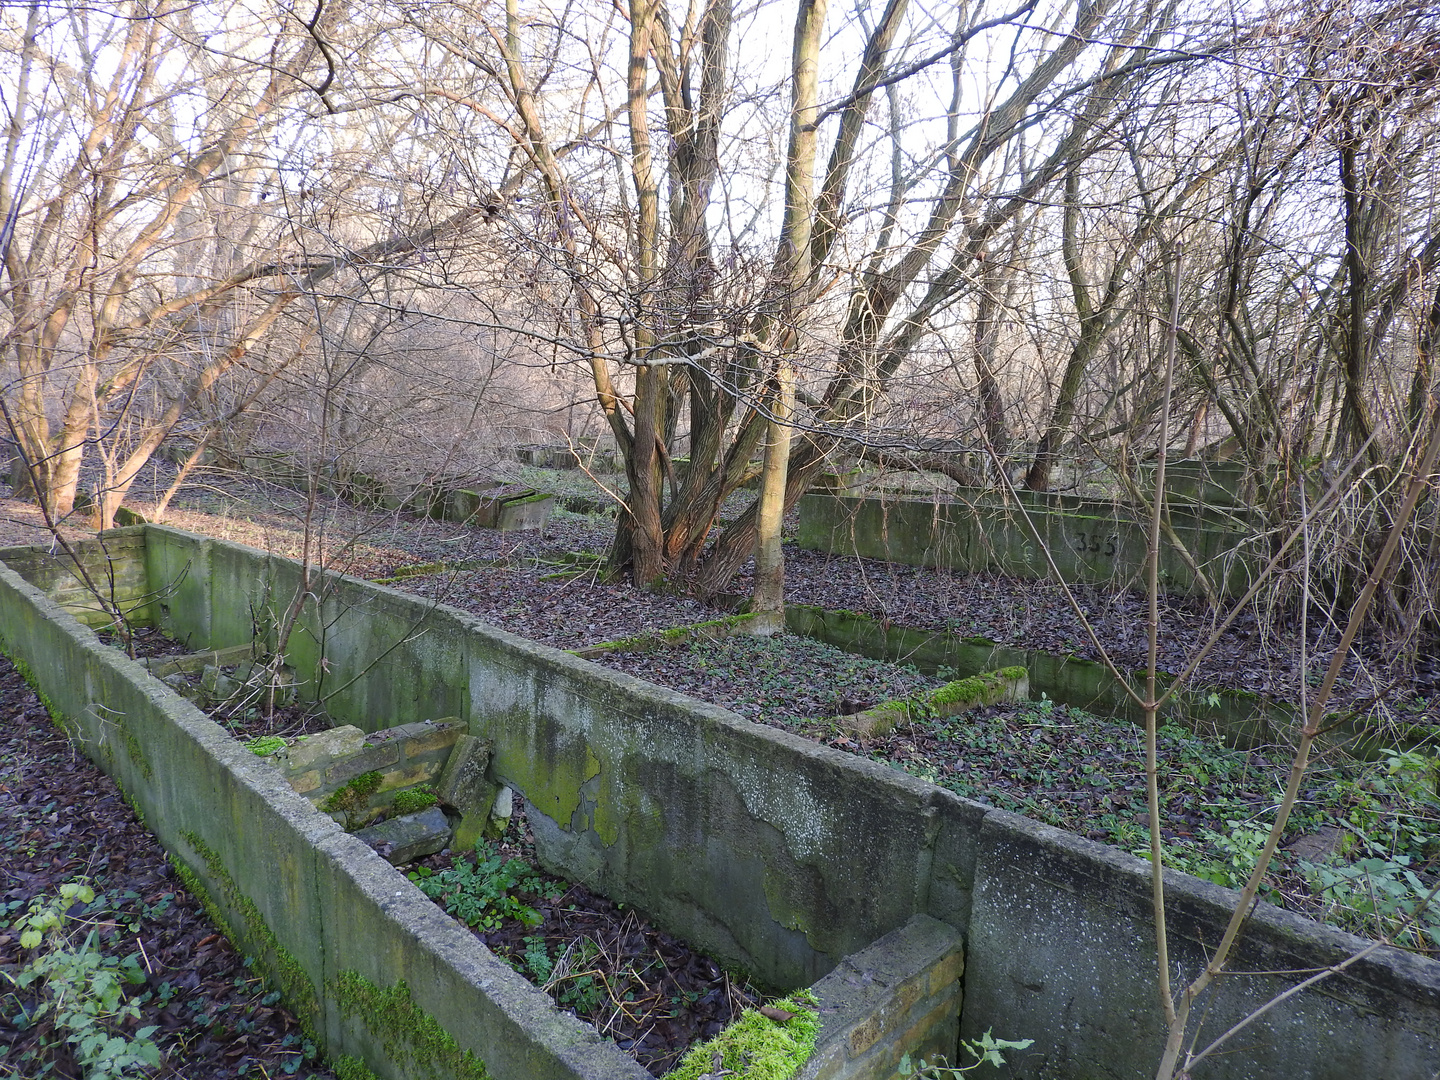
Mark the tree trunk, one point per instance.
(768, 599)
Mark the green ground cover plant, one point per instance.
(77, 989)
(1067, 768)
(484, 893)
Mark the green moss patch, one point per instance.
(710, 630)
(405, 1030)
(352, 1068)
(952, 699)
(413, 800)
(351, 798)
(756, 1047)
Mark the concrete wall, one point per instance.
(785, 857)
(115, 569)
(1089, 541)
(1240, 718)
(320, 910)
(900, 995)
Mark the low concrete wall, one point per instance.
(773, 852)
(115, 568)
(1061, 935)
(1240, 718)
(1089, 541)
(371, 966)
(899, 996)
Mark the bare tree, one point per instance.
(155, 157)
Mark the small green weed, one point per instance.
(479, 894)
(265, 745)
(82, 990)
(575, 981)
(536, 961)
(986, 1050)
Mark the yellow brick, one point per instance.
(943, 1020)
(306, 782)
(863, 1037)
(947, 971)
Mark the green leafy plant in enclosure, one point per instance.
(986, 1050)
(479, 894)
(1380, 896)
(1240, 848)
(536, 961)
(78, 990)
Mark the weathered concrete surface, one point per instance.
(466, 785)
(515, 511)
(899, 996)
(656, 799)
(1061, 950)
(1089, 541)
(402, 757)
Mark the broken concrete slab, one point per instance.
(408, 837)
(465, 786)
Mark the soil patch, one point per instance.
(601, 961)
(62, 819)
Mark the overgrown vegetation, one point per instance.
(76, 991)
(485, 892)
(1079, 772)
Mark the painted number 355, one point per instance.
(1094, 543)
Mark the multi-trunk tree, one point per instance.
(709, 272)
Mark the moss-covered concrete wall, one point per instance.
(111, 574)
(1241, 718)
(372, 967)
(784, 856)
(1088, 540)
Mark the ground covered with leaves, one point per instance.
(63, 821)
(1364, 843)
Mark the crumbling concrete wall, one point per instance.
(785, 856)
